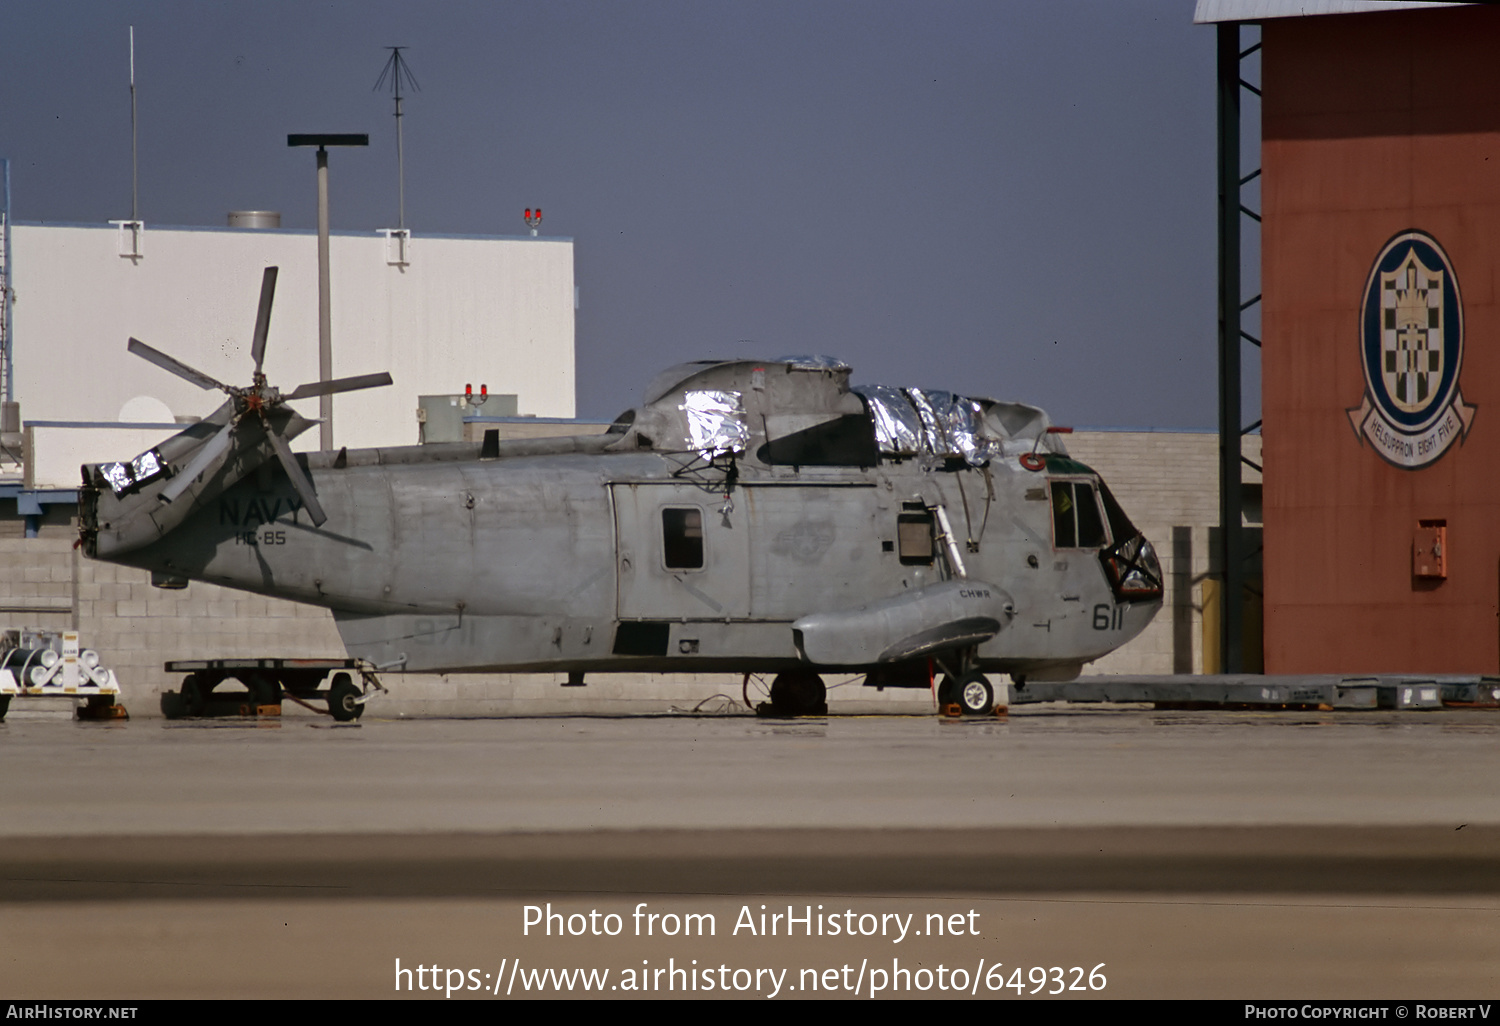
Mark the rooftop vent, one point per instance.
(255, 219)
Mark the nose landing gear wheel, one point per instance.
(976, 696)
(971, 693)
(343, 698)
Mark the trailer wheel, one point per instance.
(172, 705)
(193, 696)
(343, 697)
(264, 689)
(4, 705)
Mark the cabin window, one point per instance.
(914, 538)
(1076, 520)
(682, 538)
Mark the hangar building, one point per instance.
(1380, 369)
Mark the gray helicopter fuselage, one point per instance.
(615, 553)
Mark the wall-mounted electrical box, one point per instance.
(1429, 550)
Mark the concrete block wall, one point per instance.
(1168, 484)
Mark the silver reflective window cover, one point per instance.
(123, 476)
(715, 421)
(146, 466)
(118, 476)
(898, 428)
(915, 421)
(815, 361)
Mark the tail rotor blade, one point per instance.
(299, 479)
(263, 317)
(176, 366)
(313, 388)
(212, 450)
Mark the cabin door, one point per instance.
(680, 553)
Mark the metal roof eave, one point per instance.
(1210, 11)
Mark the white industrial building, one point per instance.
(439, 313)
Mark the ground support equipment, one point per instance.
(40, 663)
(266, 682)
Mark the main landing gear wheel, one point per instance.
(797, 693)
(343, 699)
(972, 694)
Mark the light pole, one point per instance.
(325, 305)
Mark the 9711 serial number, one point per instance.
(259, 538)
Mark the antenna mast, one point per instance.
(135, 208)
(398, 73)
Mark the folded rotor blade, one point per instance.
(263, 317)
(299, 479)
(177, 367)
(212, 450)
(313, 388)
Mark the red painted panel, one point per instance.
(1375, 124)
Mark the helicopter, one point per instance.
(749, 516)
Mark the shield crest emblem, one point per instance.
(1411, 299)
(1412, 347)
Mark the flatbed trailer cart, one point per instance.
(266, 683)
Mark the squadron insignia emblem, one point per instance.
(1412, 347)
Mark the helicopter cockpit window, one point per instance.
(682, 538)
(1076, 521)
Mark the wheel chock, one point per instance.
(106, 710)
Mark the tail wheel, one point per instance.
(343, 699)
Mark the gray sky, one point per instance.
(1013, 199)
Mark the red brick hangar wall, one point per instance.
(1375, 124)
